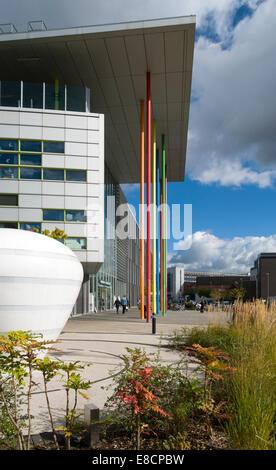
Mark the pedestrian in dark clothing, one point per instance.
(117, 304)
(202, 305)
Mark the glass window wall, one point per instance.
(8, 144)
(9, 172)
(30, 226)
(30, 173)
(75, 175)
(53, 215)
(75, 216)
(33, 95)
(8, 159)
(8, 199)
(30, 146)
(76, 243)
(10, 94)
(30, 159)
(54, 96)
(53, 174)
(53, 147)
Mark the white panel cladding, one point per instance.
(53, 202)
(53, 188)
(30, 187)
(53, 119)
(93, 163)
(9, 131)
(75, 148)
(30, 132)
(83, 135)
(8, 214)
(53, 161)
(75, 189)
(30, 200)
(76, 135)
(76, 163)
(53, 133)
(75, 122)
(93, 123)
(9, 186)
(30, 215)
(75, 230)
(75, 202)
(9, 117)
(30, 118)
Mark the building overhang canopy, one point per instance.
(113, 60)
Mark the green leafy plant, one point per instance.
(73, 382)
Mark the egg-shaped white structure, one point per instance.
(40, 279)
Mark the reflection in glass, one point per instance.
(8, 225)
(30, 146)
(10, 94)
(51, 174)
(30, 226)
(75, 98)
(76, 243)
(54, 96)
(53, 147)
(9, 144)
(53, 215)
(8, 159)
(33, 95)
(30, 173)
(10, 172)
(75, 175)
(75, 216)
(8, 199)
(30, 159)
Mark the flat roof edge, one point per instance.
(102, 28)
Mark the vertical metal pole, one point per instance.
(157, 236)
(161, 245)
(148, 199)
(163, 225)
(153, 217)
(166, 218)
(142, 201)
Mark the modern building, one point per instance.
(70, 135)
(175, 282)
(263, 276)
(220, 281)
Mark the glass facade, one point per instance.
(22, 154)
(119, 274)
(8, 199)
(44, 96)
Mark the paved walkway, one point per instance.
(101, 339)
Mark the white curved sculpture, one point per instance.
(40, 279)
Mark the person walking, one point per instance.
(117, 304)
(124, 303)
(202, 305)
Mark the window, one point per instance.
(75, 98)
(8, 144)
(30, 159)
(8, 199)
(30, 173)
(75, 216)
(53, 215)
(53, 147)
(30, 146)
(51, 174)
(10, 94)
(75, 175)
(10, 172)
(54, 96)
(8, 159)
(33, 95)
(30, 226)
(8, 225)
(76, 243)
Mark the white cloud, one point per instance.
(232, 138)
(210, 253)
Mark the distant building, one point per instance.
(175, 281)
(263, 276)
(220, 281)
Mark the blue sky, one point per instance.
(231, 153)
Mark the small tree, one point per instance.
(204, 292)
(135, 391)
(237, 292)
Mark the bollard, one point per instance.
(153, 324)
(92, 418)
